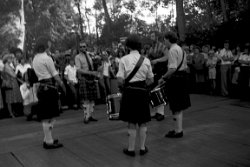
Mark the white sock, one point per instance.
(178, 122)
(91, 107)
(47, 133)
(143, 135)
(160, 110)
(86, 110)
(131, 139)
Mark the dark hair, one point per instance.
(171, 36)
(226, 42)
(41, 44)
(133, 42)
(18, 50)
(120, 51)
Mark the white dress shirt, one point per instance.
(128, 63)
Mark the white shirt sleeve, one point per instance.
(172, 60)
(66, 72)
(121, 70)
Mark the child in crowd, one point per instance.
(29, 95)
(70, 75)
(211, 64)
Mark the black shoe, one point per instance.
(52, 146)
(170, 133)
(159, 117)
(129, 153)
(54, 142)
(154, 116)
(92, 119)
(143, 152)
(173, 134)
(86, 121)
(29, 117)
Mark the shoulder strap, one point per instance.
(136, 68)
(181, 62)
(88, 61)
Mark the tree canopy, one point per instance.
(66, 22)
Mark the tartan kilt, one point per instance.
(88, 88)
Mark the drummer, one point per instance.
(158, 54)
(135, 101)
(176, 84)
(47, 92)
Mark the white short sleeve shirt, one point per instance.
(128, 63)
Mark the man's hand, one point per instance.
(161, 81)
(153, 62)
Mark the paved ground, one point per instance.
(217, 134)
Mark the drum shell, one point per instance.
(158, 97)
(113, 105)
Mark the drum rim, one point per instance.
(114, 95)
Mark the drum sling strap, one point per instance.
(136, 68)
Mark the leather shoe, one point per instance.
(54, 142)
(129, 153)
(143, 152)
(86, 121)
(52, 146)
(173, 134)
(92, 119)
(159, 117)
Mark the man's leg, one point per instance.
(91, 110)
(86, 111)
(49, 142)
(131, 140)
(178, 126)
(159, 113)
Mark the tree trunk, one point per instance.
(80, 17)
(107, 16)
(180, 19)
(223, 5)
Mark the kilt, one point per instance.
(135, 103)
(88, 87)
(177, 92)
(48, 99)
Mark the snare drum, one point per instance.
(158, 97)
(113, 106)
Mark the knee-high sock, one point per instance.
(86, 110)
(178, 122)
(131, 139)
(160, 110)
(91, 107)
(47, 132)
(143, 136)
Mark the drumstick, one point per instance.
(160, 85)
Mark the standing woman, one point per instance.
(12, 94)
(135, 101)
(47, 92)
